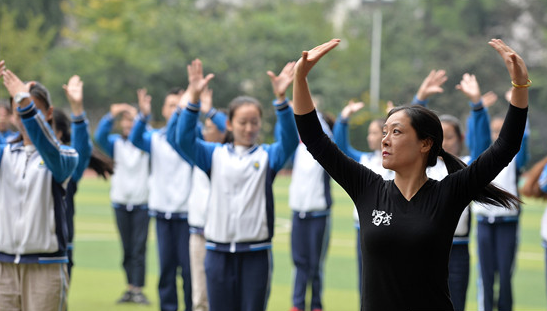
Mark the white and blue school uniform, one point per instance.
(497, 227)
(33, 181)
(197, 208)
(201, 185)
(240, 217)
(129, 197)
(81, 142)
(7, 136)
(310, 200)
(170, 187)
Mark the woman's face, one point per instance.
(452, 143)
(126, 124)
(374, 136)
(495, 128)
(245, 125)
(211, 132)
(400, 144)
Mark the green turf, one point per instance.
(98, 280)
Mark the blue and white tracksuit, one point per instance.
(32, 186)
(129, 197)
(7, 136)
(240, 219)
(310, 200)
(497, 227)
(81, 142)
(170, 186)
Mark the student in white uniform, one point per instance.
(170, 186)
(240, 219)
(34, 171)
(212, 130)
(497, 228)
(129, 195)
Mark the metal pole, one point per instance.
(375, 58)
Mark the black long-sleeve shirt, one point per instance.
(405, 245)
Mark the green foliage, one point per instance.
(24, 50)
(118, 46)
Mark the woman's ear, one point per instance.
(426, 145)
(49, 114)
(229, 125)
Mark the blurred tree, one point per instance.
(24, 49)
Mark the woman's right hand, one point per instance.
(311, 57)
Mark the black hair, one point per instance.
(330, 119)
(6, 105)
(40, 92)
(175, 91)
(61, 123)
(428, 126)
(100, 163)
(240, 101)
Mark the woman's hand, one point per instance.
(311, 57)
(74, 91)
(197, 83)
(517, 70)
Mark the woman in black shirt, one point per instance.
(407, 224)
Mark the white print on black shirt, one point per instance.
(381, 217)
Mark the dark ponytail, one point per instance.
(491, 194)
(428, 126)
(101, 164)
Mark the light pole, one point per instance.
(375, 57)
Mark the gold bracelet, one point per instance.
(522, 86)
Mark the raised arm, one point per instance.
(280, 83)
(488, 165)
(103, 136)
(478, 123)
(341, 130)
(348, 173)
(140, 136)
(80, 138)
(432, 84)
(281, 150)
(171, 135)
(198, 151)
(518, 72)
(532, 186)
(60, 160)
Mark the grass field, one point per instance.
(98, 280)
